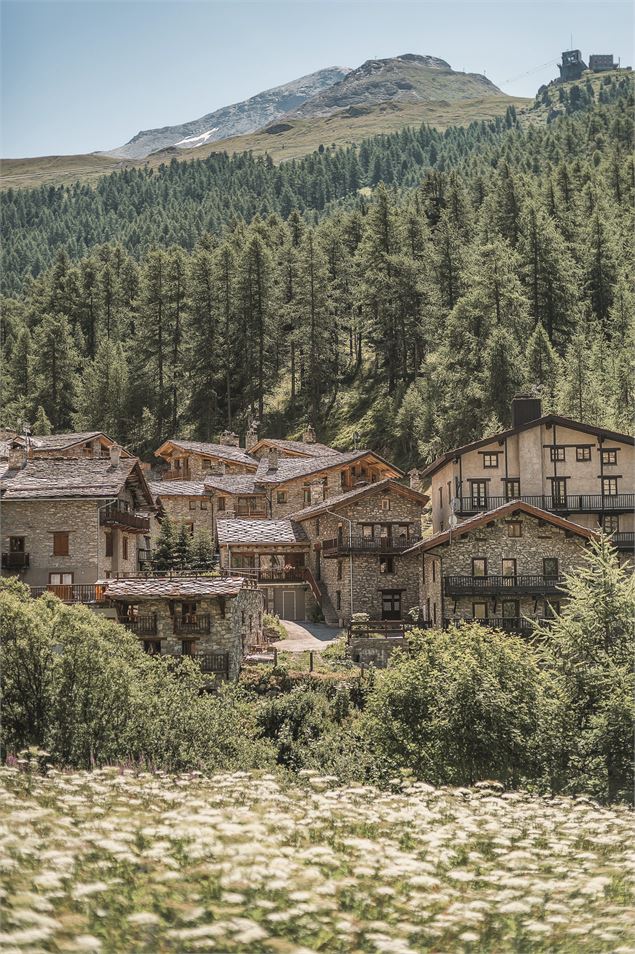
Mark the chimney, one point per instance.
(272, 457)
(229, 439)
(317, 491)
(525, 408)
(17, 456)
(309, 435)
(415, 480)
(251, 437)
(115, 455)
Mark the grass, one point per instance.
(56, 170)
(115, 862)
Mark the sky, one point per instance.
(86, 75)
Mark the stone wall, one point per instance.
(538, 541)
(235, 623)
(179, 511)
(374, 651)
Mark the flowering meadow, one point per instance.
(117, 861)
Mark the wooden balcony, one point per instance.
(15, 561)
(623, 541)
(141, 625)
(182, 473)
(116, 515)
(357, 544)
(71, 592)
(192, 626)
(509, 624)
(295, 574)
(572, 503)
(504, 585)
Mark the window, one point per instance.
(479, 566)
(221, 504)
(391, 604)
(515, 529)
(339, 569)
(550, 567)
(559, 491)
(124, 547)
(203, 504)
(582, 454)
(206, 463)
(552, 608)
(60, 579)
(434, 571)
(557, 453)
(338, 600)
(508, 567)
(609, 457)
(609, 486)
(479, 610)
(60, 543)
(187, 647)
(490, 460)
(611, 523)
(368, 531)
(385, 503)
(512, 489)
(152, 647)
(188, 612)
(192, 505)
(386, 565)
(441, 498)
(510, 609)
(478, 493)
(16, 544)
(306, 494)
(281, 496)
(109, 544)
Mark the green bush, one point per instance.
(465, 706)
(82, 688)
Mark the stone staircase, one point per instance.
(328, 610)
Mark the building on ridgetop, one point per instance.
(578, 471)
(502, 568)
(601, 62)
(572, 66)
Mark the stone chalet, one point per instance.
(347, 552)
(578, 471)
(501, 568)
(194, 460)
(215, 621)
(68, 522)
(85, 444)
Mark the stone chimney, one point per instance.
(309, 435)
(317, 491)
(229, 439)
(251, 437)
(272, 458)
(415, 481)
(115, 455)
(16, 457)
(525, 408)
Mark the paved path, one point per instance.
(305, 636)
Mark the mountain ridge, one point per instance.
(235, 119)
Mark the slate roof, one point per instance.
(173, 588)
(350, 496)
(259, 532)
(552, 419)
(81, 477)
(289, 468)
(236, 455)
(178, 488)
(233, 484)
(53, 442)
(505, 510)
(295, 447)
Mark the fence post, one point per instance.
(275, 657)
(311, 660)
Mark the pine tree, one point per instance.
(183, 554)
(541, 368)
(41, 424)
(55, 369)
(501, 377)
(164, 553)
(202, 556)
(102, 393)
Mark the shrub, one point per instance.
(272, 628)
(464, 706)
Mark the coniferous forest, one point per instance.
(397, 293)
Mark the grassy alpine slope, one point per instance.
(111, 861)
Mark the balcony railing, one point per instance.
(623, 541)
(116, 515)
(182, 473)
(358, 544)
(572, 503)
(507, 585)
(509, 624)
(141, 625)
(295, 574)
(257, 510)
(15, 561)
(192, 626)
(71, 592)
